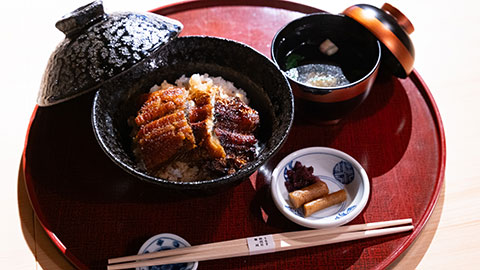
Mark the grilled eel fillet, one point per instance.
(164, 130)
(196, 125)
(201, 116)
(234, 127)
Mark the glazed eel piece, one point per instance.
(163, 128)
(235, 123)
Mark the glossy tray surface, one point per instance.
(93, 210)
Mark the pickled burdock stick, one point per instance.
(324, 202)
(308, 193)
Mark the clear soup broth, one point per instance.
(311, 65)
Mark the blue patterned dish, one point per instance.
(166, 241)
(339, 171)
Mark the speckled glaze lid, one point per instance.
(98, 46)
(392, 28)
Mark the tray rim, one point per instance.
(291, 6)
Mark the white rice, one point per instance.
(180, 171)
(202, 82)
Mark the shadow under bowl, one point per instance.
(267, 89)
(302, 42)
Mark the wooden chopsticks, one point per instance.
(269, 243)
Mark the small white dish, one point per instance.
(338, 170)
(165, 241)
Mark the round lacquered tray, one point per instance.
(92, 210)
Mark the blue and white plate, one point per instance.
(166, 241)
(339, 171)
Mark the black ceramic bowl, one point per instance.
(267, 88)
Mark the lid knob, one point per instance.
(402, 20)
(81, 18)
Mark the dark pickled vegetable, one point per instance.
(299, 177)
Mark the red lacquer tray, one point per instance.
(92, 210)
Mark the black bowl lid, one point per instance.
(99, 46)
(392, 28)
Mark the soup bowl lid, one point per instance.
(392, 28)
(99, 46)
